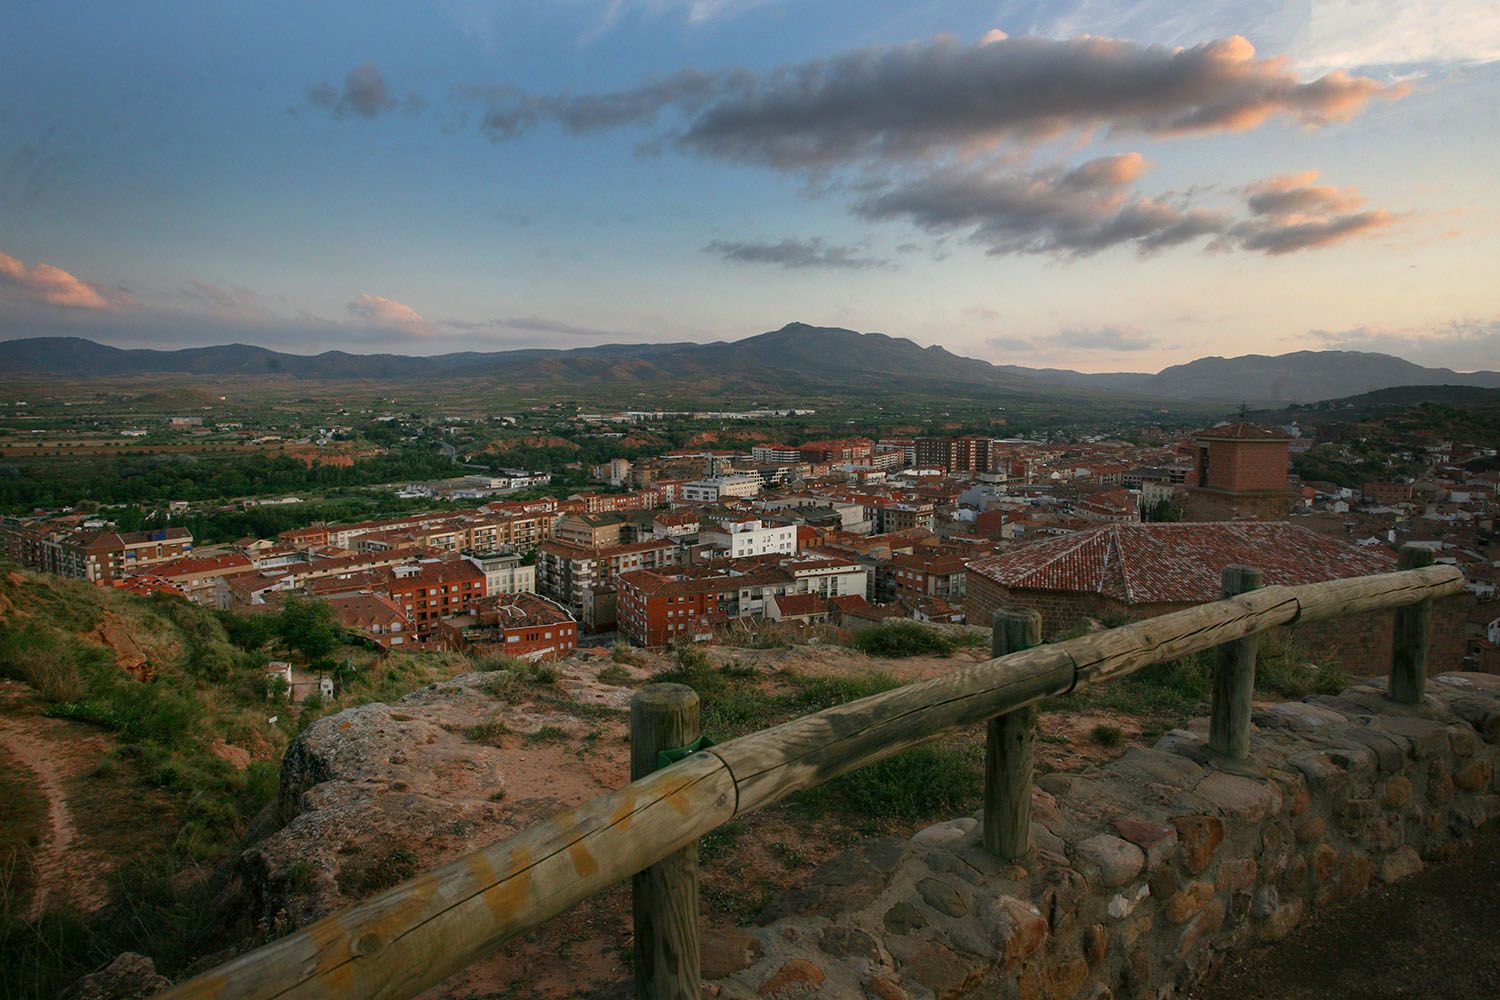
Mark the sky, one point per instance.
(1104, 186)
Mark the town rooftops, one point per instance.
(1242, 431)
(1176, 563)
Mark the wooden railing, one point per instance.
(417, 934)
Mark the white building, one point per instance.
(503, 572)
(712, 490)
(750, 537)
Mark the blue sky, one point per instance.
(1102, 186)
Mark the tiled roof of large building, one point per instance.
(1243, 431)
(1177, 563)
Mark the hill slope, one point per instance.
(796, 356)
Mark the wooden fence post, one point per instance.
(1409, 642)
(1234, 676)
(664, 897)
(1007, 748)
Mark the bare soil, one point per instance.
(55, 753)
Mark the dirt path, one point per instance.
(62, 868)
(1429, 937)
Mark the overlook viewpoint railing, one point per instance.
(417, 934)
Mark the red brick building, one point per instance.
(1126, 572)
(436, 591)
(524, 626)
(1241, 474)
(922, 575)
(1387, 494)
(655, 608)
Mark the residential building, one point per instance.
(566, 573)
(750, 537)
(714, 489)
(591, 531)
(374, 616)
(96, 556)
(434, 590)
(524, 626)
(504, 572)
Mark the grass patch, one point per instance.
(733, 701)
(1107, 736)
(896, 639)
(920, 784)
(359, 879)
(489, 731)
(548, 734)
(617, 676)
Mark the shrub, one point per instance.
(908, 788)
(1107, 736)
(894, 639)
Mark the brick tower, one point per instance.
(1242, 474)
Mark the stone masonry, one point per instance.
(1145, 869)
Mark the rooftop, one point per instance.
(1177, 563)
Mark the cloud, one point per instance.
(365, 93)
(1292, 213)
(388, 314)
(1465, 345)
(1104, 338)
(47, 285)
(1008, 343)
(1079, 211)
(1073, 212)
(796, 254)
(914, 101)
(919, 131)
(1316, 36)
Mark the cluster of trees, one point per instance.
(153, 479)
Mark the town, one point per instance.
(693, 543)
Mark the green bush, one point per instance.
(894, 639)
(918, 785)
(1107, 736)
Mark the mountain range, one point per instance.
(797, 355)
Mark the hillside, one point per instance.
(797, 357)
(137, 747)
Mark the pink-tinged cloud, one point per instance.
(48, 285)
(1290, 213)
(1295, 195)
(388, 314)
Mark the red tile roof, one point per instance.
(1177, 563)
(1243, 432)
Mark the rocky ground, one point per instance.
(380, 792)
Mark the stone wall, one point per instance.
(1145, 869)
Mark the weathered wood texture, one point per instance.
(414, 936)
(1408, 680)
(420, 932)
(664, 897)
(1234, 676)
(1008, 748)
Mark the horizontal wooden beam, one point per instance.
(415, 935)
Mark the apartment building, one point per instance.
(435, 590)
(567, 573)
(524, 626)
(750, 537)
(96, 556)
(714, 489)
(504, 572)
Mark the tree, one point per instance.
(308, 627)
